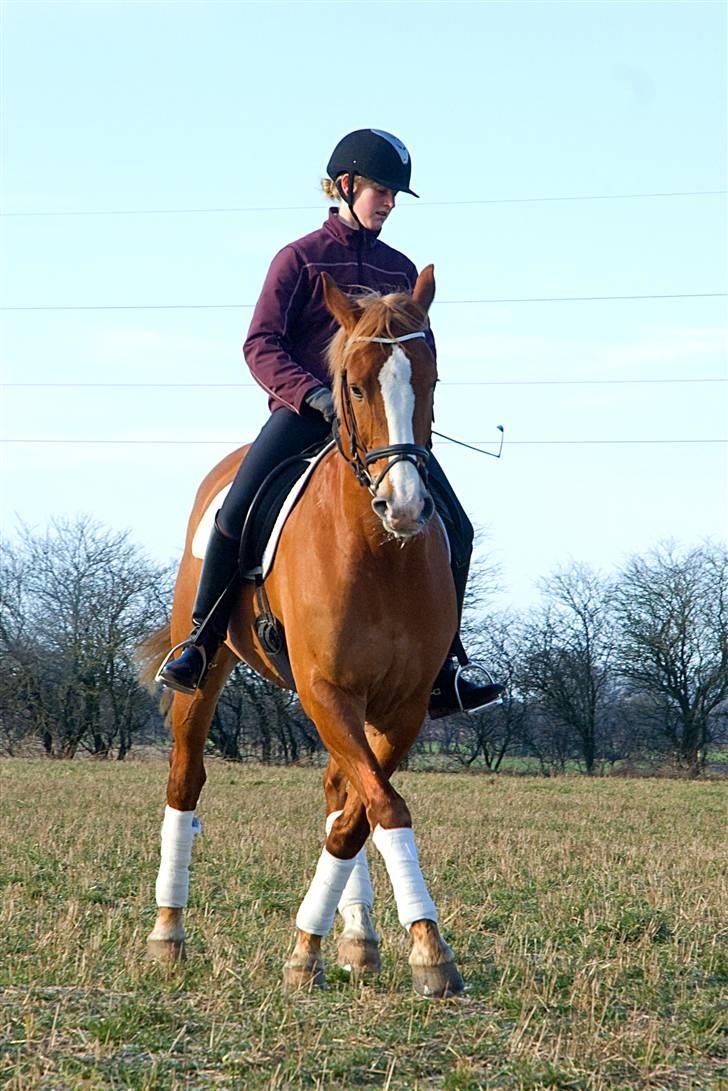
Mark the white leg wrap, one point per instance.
(358, 890)
(318, 908)
(410, 892)
(178, 832)
(358, 923)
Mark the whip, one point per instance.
(470, 446)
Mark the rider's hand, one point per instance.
(321, 399)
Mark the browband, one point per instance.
(389, 340)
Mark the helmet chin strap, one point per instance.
(349, 197)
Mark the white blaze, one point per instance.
(395, 379)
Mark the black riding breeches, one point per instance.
(459, 528)
(284, 434)
(460, 534)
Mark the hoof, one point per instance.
(304, 975)
(438, 981)
(359, 956)
(166, 950)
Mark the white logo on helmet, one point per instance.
(396, 144)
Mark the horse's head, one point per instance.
(384, 377)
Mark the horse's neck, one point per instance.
(354, 521)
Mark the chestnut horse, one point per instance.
(362, 585)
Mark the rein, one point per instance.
(358, 457)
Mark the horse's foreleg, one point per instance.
(316, 914)
(340, 720)
(358, 949)
(191, 718)
(434, 972)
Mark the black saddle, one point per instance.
(266, 507)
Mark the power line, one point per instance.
(442, 302)
(307, 208)
(475, 442)
(442, 382)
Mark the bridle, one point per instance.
(358, 457)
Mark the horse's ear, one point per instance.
(341, 307)
(424, 292)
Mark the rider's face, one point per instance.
(373, 204)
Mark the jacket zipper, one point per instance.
(360, 266)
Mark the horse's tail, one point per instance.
(149, 655)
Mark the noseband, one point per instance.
(358, 457)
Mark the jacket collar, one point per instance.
(349, 236)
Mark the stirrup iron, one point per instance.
(187, 643)
(456, 687)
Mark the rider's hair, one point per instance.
(331, 192)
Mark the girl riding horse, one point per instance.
(286, 352)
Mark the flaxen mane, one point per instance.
(379, 316)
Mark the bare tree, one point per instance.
(16, 653)
(568, 653)
(496, 731)
(257, 720)
(76, 600)
(673, 614)
(485, 735)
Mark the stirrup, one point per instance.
(491, 682)
(189, 642)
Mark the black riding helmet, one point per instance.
(371, 153)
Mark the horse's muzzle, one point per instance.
(404, 522)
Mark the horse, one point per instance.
(361, 583)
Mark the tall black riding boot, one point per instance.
(210, 616)
(452, 692)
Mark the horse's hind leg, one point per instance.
(358, 948)
(191, 719)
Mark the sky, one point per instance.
(155, 157)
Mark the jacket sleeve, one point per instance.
(267, 346)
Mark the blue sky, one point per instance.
(156, 110)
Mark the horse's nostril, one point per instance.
(379, 507)
(428, 509)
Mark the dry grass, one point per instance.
(586, 917)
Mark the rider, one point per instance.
(286, 352)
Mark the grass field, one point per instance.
(586, 917)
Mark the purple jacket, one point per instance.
(291, 327)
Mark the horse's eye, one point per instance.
(357, 392)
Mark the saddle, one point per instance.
(267, 515)
(272, 504)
